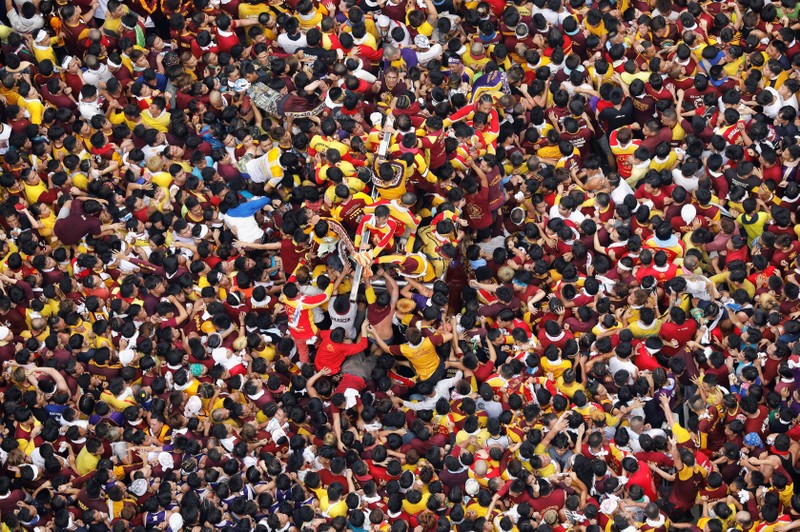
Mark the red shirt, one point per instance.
(331, 354)
(477, 209)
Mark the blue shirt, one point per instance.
(248, 208)
(161, 81)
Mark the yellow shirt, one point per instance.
(117, 404)
(321, 144)
(112, 24)
(44, 52)
(336, 509)
(252, 11)
(423, 358)
(413, 509)
(640, 331)
(34, 107)
(666, 164)
(549, 469)
(162, 179)
(47, 225)
(86, 462)
(32, 192)
(462, 436)
(81, 180)
(557, 368)
(311, 20)
(159, 123)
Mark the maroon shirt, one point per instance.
(76, 225)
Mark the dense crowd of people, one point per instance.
(397, 265)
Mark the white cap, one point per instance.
(138, 487)
(126, 356)
(41, 35)
(241, 85)
(384, 21)
(472, 487)
(65, 63)
(4, 331)
(421, 41)
(193, 406)
(688, 213)
(376, 118)
(608, 506)
(175, 522)
(166, 461)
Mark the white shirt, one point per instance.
(777, 103)
(5, 134)
(247, 229)
(689, 183)
(289, 45)
(619, 193)
(346, 321)
(442, 389)
(89, 109)
(431, 53)
(94, 77)
(615, 364)
(576, 216)
(21, 24)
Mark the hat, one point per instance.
(193, 406)
(688, 213)
(66, 61)
(175, 522)
(608, 506)
(241, 85)
(752, 439)
(472, 487)
(41, 35)
(138, 487)
(126, 356)
(454, 60)
(737, 241)
(376, 118)
(383, 21)
(166, 461)
(4, 331)
(421, 41)
(196, 369)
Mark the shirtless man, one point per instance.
(381, 311)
